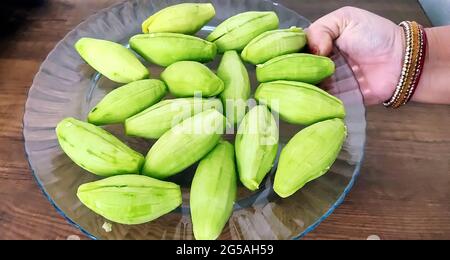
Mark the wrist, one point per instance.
(398, 58)
(392, 69)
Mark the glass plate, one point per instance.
(66, 86)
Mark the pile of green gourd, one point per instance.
(189, 127)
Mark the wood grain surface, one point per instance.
(403, 191)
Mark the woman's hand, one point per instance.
(372, 45)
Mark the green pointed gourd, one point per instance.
(96, 150)
(159, 118)
(188, 78)
(299, 103)
(126, 101)
(302, 67)
(256, 146)
(274, 43)
(167, 48)
(184, 144)
(213, 192)
(237, 31)
(236, 86)
(130, 199)
(308, 155)
(112, 60)
(185, 18)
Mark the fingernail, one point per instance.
(314, 50)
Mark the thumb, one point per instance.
(324, 31)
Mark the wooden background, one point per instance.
(403, 191)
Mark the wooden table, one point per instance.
(403, 191)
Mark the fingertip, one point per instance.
(313, 49)
(325, 48)
(319, 41)
(322, 49)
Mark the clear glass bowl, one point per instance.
(66, 86)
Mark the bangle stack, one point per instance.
(416, 44)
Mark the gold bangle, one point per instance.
(414, 59)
